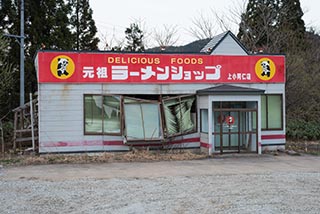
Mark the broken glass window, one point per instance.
(179, 115)
(142, 120)
(112, 118)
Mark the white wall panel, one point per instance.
(202, 102)
(204, 138)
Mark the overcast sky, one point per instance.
(112, 17)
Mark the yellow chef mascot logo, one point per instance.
(62, 67)
(265, 69)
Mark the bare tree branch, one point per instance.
(203, 27)
(233, 17)
(167, 36)
(206, 26)
(110, 42)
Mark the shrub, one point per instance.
(303, 130)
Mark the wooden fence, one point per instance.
(25, 133)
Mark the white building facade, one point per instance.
(220, 100)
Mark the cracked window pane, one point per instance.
(142, 120)
(111, 120)
(179, 115)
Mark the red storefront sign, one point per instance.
(73, 67)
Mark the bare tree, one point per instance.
(8, 80)
(167, 36)
(207, 25)
(231, 19)
(203, 27)
(108, 43)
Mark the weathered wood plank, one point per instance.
(25, 139)
(25, 130)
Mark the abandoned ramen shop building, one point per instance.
(219, 100)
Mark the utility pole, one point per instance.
(22, 53)
(21, 43)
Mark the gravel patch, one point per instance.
(290, 192)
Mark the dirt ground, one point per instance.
(224, 184)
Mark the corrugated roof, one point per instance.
(230, 89)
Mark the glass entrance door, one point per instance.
(235, 127)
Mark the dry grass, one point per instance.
(132, 156)
(310, 147)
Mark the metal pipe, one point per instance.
(210, 126)
(32, 122)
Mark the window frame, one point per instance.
(201, 120)
(102, 116)
(166, 135)
(142, 101)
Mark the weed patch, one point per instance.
(133, 156)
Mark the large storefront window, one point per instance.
(271, 112)
(142, 120)
(102, 114)
(144, 117)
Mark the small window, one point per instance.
(204, 120)
(263, 112)
(271, 112)
(254, 120)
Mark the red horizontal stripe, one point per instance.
(205, 145)
(65, 144)
(188, 140)
(272, 137)
(82, 143)
(112, 143)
